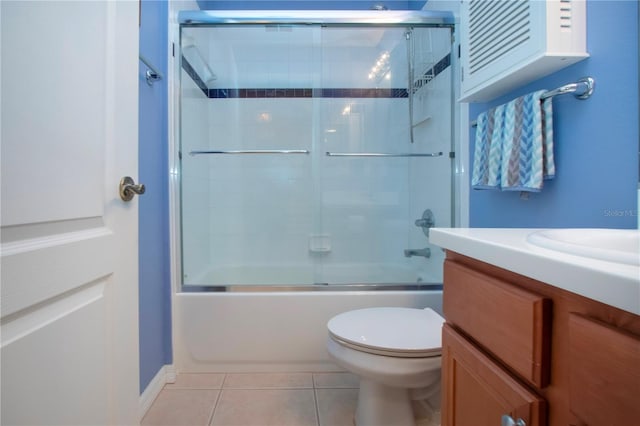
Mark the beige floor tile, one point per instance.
(181, 407)
(265, 407)
(335, 380)
(336, 407)
(425, 414)
(268, 381)
(197, 381)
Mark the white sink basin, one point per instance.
(613, 245)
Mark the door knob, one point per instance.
(128, 188)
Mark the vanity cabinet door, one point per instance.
(478, 392)
(604, 364)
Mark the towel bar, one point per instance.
(588, 84)
(581, 89)
(152, 74)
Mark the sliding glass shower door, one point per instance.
(308, 153)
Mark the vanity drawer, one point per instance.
(511, 323)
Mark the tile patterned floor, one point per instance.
(256, 399)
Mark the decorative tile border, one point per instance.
(186, 66)
(442, 64)
(259, 93)
(431, 73)
(252, 93)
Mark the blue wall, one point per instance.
(154, 276)
(596, 140)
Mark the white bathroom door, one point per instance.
(69, 294)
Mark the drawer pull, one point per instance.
(507, 420)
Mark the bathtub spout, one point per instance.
(425, 252)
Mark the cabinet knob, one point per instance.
(507, 420)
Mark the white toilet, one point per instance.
(396, 354)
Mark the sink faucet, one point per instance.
(425, 252)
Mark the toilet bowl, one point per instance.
(396, 354)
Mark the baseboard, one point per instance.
(167, 374)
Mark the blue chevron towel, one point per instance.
(488, 151)
(514, 145)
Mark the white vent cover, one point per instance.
(495, 29)
(507, 43)
(565, 15)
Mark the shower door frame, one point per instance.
(367, 18)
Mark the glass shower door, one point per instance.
(246, 163)
(383, 136)
(308, 152)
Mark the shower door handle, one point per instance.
(128, 188)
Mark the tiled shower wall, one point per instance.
(320, 218)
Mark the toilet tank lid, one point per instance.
(395, 329)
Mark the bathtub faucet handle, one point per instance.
(426, 222)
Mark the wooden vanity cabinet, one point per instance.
(518, 347)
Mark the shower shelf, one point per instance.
(381, 154)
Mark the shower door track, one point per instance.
(434, 19)
(319, 287)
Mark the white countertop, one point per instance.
(612, 283)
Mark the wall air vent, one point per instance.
(565, 14)
(495, 30)
(508, 43)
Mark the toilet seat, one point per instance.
(395, 332)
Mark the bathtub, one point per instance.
(416, 270)
(270, 331)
